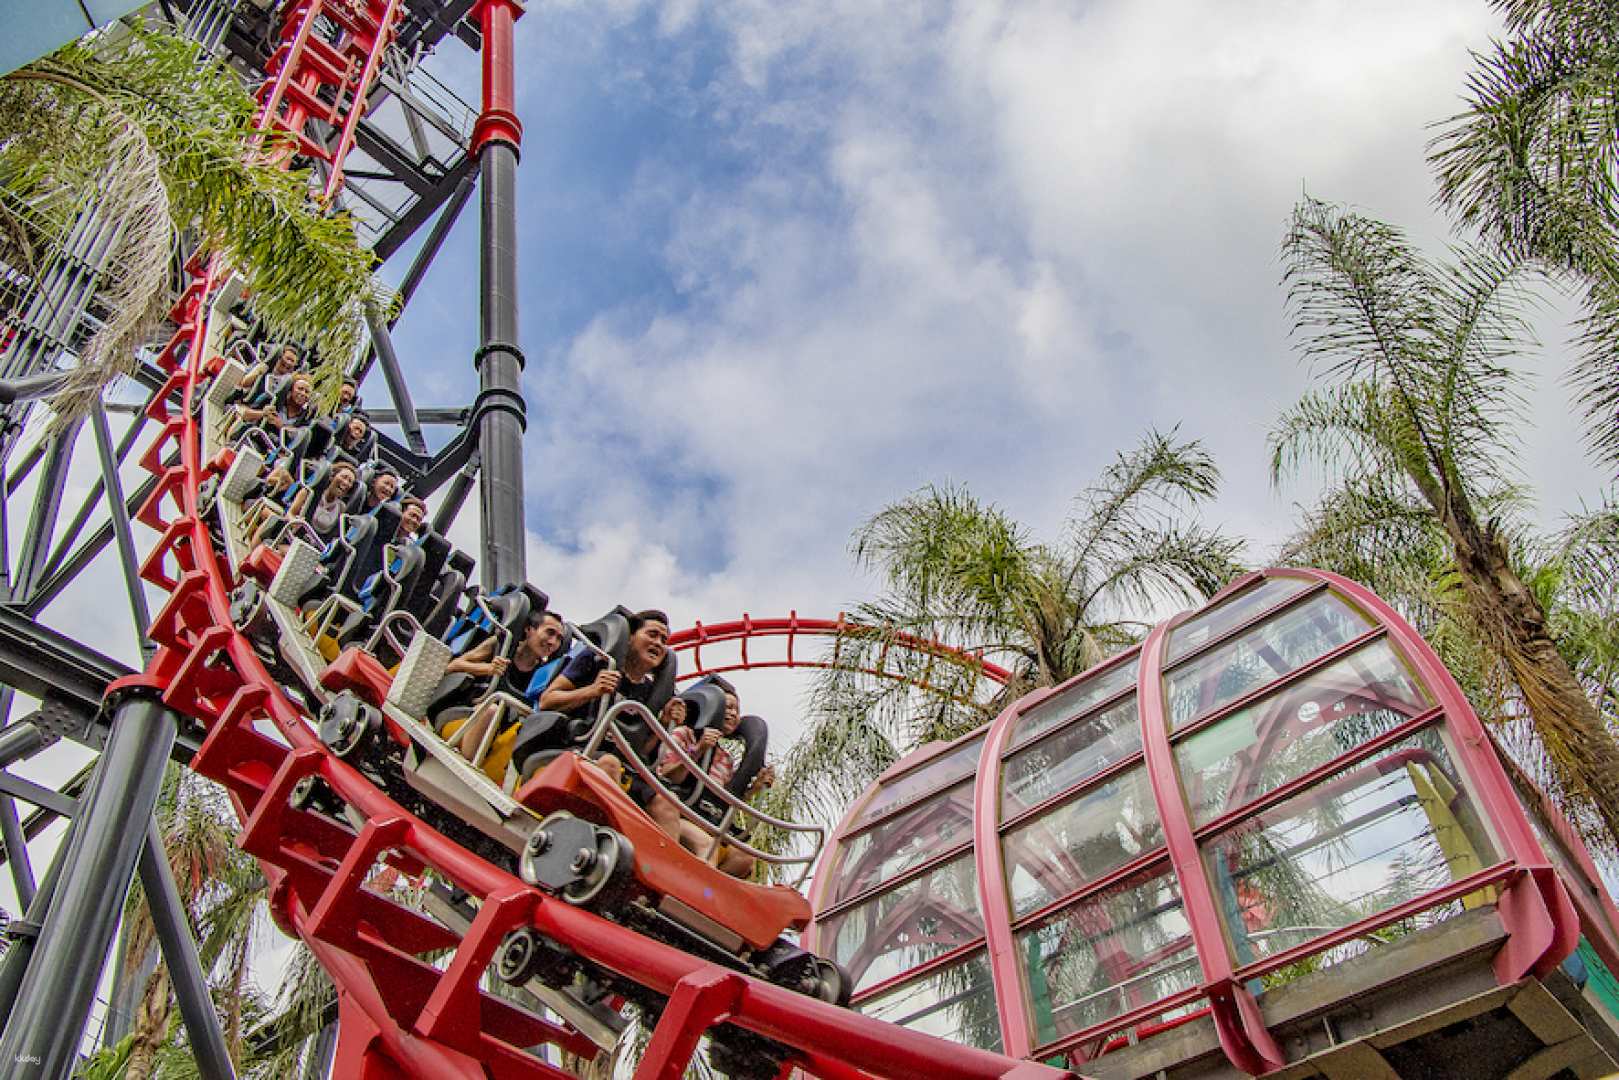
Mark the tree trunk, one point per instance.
(1582, 749)
(151, 1025)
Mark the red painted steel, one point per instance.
(1542, 915)
(1011, 1003)
(498, 121)
(399, 1014)
(1246, 1043)
(424, 1023)
(792, 627)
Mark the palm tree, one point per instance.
(963, 573)
(1533, 163)
(1416, 425)
(160, 140)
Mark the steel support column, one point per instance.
(180, 953)
(43, 1032)
(120, 527)
(22, 871)
(455, 497)
(64, 543)
(435, 240)
(382, 347)
(499, 414)
(47, 501)
(24, 933)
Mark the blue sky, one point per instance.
(785, 264)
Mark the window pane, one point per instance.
(1075, 700)
(1079, 841)
(1053, 765)
(1390, 829)
(907, 839)
(908, 925)
(1303, 725)
(957, 1003)
(1284, 643)
(1211, 623)
(1107, 955)
(936, 775)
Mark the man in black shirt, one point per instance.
(585, 681)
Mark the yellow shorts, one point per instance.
(500, 749)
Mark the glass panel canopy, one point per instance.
(910, 838)
(1078, 698)
(1305, 724)
(1081, 840)
(955, 1003)
(1385, 831)
(1108, 954)
(1263, 654)
(941, 772)
(908, 925)
(1061, 761)
(1232, 612)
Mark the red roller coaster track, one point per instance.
(793, 627)
(401, 1015)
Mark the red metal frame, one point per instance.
(400, 1015)
(1543, 920)
(793, 627)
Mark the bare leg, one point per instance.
(667, 816)
(471, 734)
(609, 764)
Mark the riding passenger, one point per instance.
(287, 364)
(539, 648)
(719, 744)
(353, 436)
(325, 516)
(585, 680)
(384, 487)
(292, 410)
(412, 512)
(348, 398)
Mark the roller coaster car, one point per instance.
(742, 913)
(596, 847)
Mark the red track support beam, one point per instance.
(701, 1000)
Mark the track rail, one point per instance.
(793, 627)
(400, 1014)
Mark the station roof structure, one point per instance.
(1279, 787)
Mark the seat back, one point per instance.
(418, 599)
(368, 549)
(447, 595)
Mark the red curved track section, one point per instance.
(793, 627)
(400, 1015)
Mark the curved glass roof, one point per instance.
(1263, 786)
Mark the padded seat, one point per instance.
(359, 671)
(261, 564)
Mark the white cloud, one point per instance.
(992, 242)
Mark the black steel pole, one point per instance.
(47, 502)
(22, 870)
(499, 415)
(382, 347)
(435, 240)
(180, 953)
(24, 933)
(455, 497)
(43, 1032)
